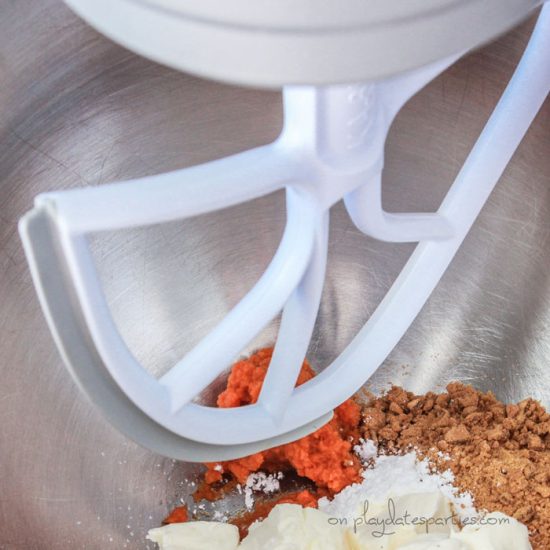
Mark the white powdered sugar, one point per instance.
(260, 482)
(443, 456)
(463, 502)
(220, 516)
(396, 475)
(366, 450)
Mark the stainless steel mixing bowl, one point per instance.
(75, 110)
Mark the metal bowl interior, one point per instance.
(75, 109)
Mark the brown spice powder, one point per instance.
(499, 453)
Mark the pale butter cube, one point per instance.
(196, 535)
(434, 542)
(505, 533)
(402, 519)
(291, 527)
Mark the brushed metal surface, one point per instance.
(76, 109)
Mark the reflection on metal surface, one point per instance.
(77, 110)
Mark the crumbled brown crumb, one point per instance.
(499, 453)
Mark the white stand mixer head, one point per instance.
(331, 148)
(275, 43)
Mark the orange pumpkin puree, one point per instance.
(178, 515)
(325, 456)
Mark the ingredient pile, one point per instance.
(452, 471)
